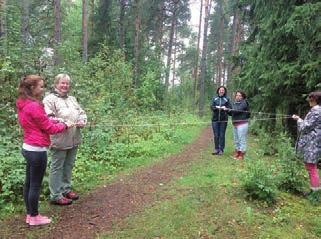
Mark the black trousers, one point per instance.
(35, 171)
(219, 129)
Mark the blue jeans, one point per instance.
(240, 135)
(219, 129)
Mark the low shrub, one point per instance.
(266, 142)
(292, 175)
(263, 178)
(259, 181)
(12, 172)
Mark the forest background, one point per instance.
(139, 61)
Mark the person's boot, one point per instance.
(62, 201)
(240, 156)
(71, 195)
(236, 153)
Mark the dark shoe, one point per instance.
(62, 201)
(72, 195)
(307, 194)
(216, 152)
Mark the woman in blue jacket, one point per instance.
(219, 119)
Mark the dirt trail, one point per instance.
(102, 207)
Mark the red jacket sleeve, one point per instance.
(40, 117)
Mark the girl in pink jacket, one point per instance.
(36, 130)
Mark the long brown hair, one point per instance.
(26, 85)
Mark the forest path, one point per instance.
(98, 211)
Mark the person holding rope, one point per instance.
(219, 105)
(240, 119)
(59, 104)
(36, 128)
(308, 145)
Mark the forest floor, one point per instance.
(107, 205)
(191, 194)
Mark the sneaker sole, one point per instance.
(40, 224)
(59, 204)
(73, 199)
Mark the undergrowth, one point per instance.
(106, 149)
(263, 178)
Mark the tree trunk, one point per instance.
(174, 58)
(25, 21)
(91, 17)
(57, 33)
(158, 38)
(2, 18)
(219, 71)
(235, 41)
(170, 45)
(196, 70)
(136, 42)
(3, 43)
(159, 29)
(121, 24)
(84, 31)
(203, 59)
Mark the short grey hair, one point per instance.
(60, 77)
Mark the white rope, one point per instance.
(255, 112)
(112, 125)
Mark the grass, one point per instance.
(154, 151)
(88, 173)
(99, 173)
(208, 202)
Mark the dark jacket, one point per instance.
(240, 111)
(220, 114)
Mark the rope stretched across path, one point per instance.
(276, 117)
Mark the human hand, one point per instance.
(296, 117)
(55, 119)
(80, 124)
(59, 119)
(69, 124)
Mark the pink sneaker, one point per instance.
(28, 218)
(39, 220)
